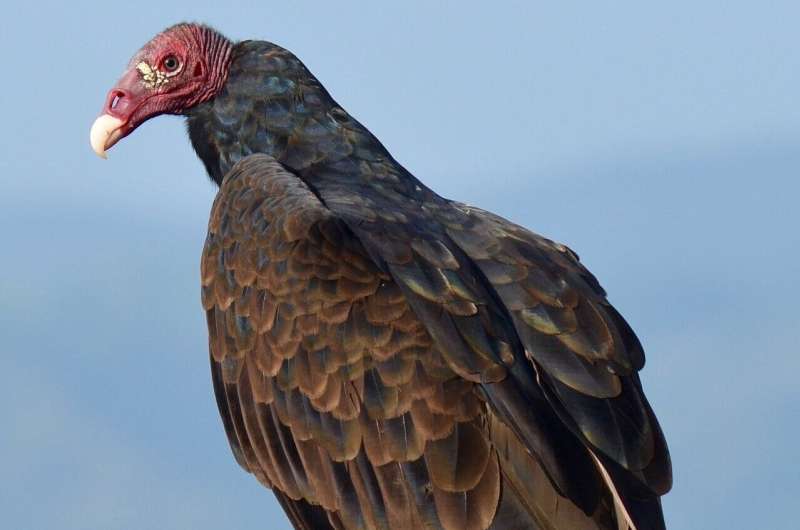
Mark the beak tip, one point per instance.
(104, 133)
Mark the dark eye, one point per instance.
(171, 63)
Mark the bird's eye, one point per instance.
(171, 63)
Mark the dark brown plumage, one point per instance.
(386, 358)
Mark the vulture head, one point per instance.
(179, 68)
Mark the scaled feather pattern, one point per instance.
(385, 358)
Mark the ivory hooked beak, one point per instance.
(106, 131)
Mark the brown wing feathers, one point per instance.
(432, 367)
(588, 352)
(476, 274)
(332, 391)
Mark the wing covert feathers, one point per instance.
(425, 367)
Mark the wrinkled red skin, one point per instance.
(203, 55)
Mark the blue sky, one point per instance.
(662, 143)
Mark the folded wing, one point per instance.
(381, 364)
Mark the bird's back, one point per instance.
(334, 393)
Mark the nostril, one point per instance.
(114, 98)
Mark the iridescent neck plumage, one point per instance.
(271, 104)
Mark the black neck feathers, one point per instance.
(272, 104)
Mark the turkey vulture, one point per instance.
(383, 357)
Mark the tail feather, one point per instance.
(633, 501)
(529, 498)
